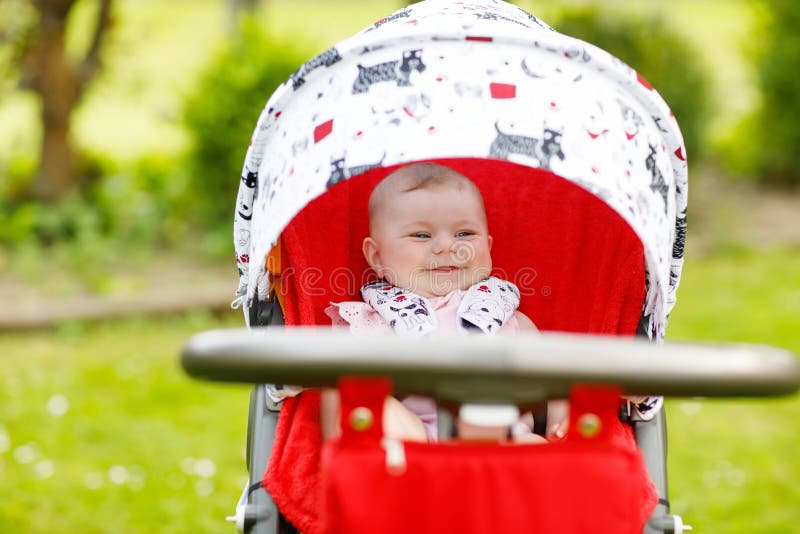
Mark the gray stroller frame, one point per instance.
(435, 81)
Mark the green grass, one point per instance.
(100, 431)
(734, 464)
(124, 456)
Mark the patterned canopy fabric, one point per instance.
(476, 79)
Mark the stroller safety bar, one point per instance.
(518, 369)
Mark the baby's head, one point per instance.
(428, 231)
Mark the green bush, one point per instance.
(773, 134)
(68, 220)
(159, 200)
(663, 57)
(27, 221)
(221, 113)
(117, 210)
(143, 202)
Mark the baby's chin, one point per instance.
(442, 289)
(445, 287)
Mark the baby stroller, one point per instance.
(583, 171)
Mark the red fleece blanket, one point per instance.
(293, 474)
(578, 265)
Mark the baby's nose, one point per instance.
(442, 244)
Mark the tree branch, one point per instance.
(91, 62)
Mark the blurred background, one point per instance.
(123, 127)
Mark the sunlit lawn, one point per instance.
(734, 464)
(100, 431)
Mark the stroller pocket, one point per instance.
(595, 480)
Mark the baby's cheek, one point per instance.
(464, 253)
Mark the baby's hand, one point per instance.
(401, 423)
(527, 439)
(557, 419)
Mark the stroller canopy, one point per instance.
(542, 122)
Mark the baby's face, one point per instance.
(430, 241)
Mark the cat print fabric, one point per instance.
(480, 78)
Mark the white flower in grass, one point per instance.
(25, 454)
(204, 467)
(131, 368)
(737, 478)
(137, 475)
(710, 479)
(93, 481)
(691, 407)
(5, 440)
(204, 487)
(45, 468)
(118, 474)
(187, 465)
(58, 405)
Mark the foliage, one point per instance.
(221, 114)
(125, 215)
(158, 199)
(775, 135)
(17, 22)
(663, 57)
(38, 60)
(761, 145)
(132, 204)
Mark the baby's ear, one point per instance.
(371, 253)
(489, 241)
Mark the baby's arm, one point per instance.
(557, 410)
(557, 419)
(525, 324)
(401, 423)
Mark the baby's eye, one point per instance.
(464, 233)
(421, 235)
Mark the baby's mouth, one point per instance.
(444, 269)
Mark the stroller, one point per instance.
(583, 171)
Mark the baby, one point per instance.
(429, 244)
